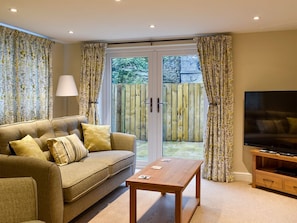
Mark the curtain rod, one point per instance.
(153, 41)
(25, 31)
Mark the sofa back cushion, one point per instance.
(39, 130)
(68, 125)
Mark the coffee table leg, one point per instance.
(178, 206)
(132, 204)
(198, 186)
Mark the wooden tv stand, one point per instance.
(274, 171)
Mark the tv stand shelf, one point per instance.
(274, 171)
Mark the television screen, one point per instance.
(270, 121)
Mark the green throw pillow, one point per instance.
(67, 149)
(27, 147)
(96, 137)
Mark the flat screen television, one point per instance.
(270, 121)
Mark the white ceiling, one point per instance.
(129, 20)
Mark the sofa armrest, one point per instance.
(123, 141)
(49, 185)
(24, 191)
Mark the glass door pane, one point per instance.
(183, 110)
(129, 97)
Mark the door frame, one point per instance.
(154, 54)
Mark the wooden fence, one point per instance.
(182, 111)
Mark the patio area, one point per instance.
(187, 150)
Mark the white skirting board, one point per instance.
(242, 176)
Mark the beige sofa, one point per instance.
(66, 191)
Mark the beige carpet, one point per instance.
(235, 202)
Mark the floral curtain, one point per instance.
(25, 76)
(215, 54)
(93, 61)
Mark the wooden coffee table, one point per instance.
(173, 177)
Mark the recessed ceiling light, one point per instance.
(256, 18)
(152, 26)
(70, 32)
(13, 10)
(117, 0)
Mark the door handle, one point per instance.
(158, 104)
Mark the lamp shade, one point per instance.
(66, 86)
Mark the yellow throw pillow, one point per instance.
(67, 149)
(96, 137)
(293, 125)
(27, 147)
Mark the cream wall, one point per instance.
(66, 60)
(261, 61)
(58, 68)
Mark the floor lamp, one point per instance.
(66, 88)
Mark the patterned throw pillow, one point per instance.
(27, 147)
(67, 149)
(96, 137)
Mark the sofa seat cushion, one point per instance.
(116, 160)
(78, 178)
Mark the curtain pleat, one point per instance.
(215, 54)
(93, 61)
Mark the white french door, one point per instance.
(140, 102)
